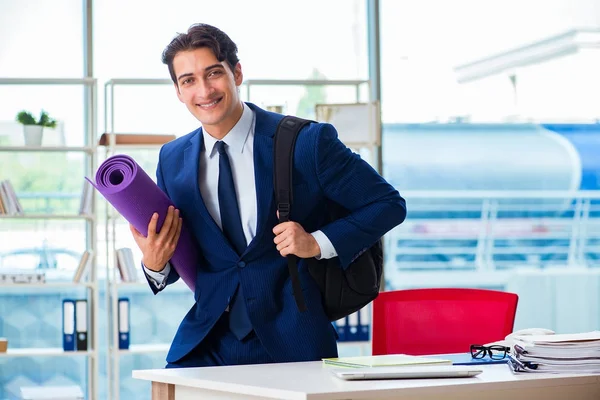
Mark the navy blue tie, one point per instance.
(231, 223)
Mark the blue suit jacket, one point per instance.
(323, 169)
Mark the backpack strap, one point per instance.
(283, 157)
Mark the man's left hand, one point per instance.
(291, 238)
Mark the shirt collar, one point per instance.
(235, 138)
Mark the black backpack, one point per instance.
(343, 291)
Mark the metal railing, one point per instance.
(489, 233)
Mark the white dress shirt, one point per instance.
(240, 148)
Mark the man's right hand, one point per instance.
(158, 247)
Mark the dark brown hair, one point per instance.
(198, 36)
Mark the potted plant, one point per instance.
(33, 129)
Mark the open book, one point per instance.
(389, 360)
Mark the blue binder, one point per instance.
(352, 330)
(68, 314)
(123, 322)
(363, 324)
(340, 327)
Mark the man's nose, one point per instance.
(204, 90)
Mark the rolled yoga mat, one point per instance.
(126, 186)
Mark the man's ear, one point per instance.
(238, 76)
(178, 92)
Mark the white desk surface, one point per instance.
(312, 380)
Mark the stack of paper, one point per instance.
(389, 360)
(572, 353)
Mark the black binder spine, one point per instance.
(81, 325)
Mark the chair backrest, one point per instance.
(438, 321)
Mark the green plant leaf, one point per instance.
(25, 118)
(45, 120)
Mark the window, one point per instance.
(44, 39)
(483, 101)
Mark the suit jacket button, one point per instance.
(241, 264)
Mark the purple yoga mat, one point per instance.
(126, 186)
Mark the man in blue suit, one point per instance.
(220, 176)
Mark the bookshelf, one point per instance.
(48, 294)
(116, 288)
(48, 216)
(89, 150)
(37, 287)
(149, 348)
(45, 352)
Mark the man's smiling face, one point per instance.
(208, 88)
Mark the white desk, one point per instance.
(312, 380)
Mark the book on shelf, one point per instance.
(126, 265)
(134, 138)
(85, 203)
(83, 268)
(388, 360)
(9, 202)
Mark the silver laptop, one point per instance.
(440, 371)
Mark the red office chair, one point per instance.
(438, 321)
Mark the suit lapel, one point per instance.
(192, 165)
(263, 171)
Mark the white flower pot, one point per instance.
(33, 135)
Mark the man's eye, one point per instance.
(214, 73)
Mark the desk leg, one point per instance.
(163, 391)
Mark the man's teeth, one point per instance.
(209, 105)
